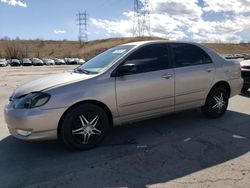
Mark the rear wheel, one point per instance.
(84, 126)
(216, 103)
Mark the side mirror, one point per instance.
(126, 69)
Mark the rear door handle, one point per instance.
(167, 76)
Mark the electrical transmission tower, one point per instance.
(141, 20)
(82, 19)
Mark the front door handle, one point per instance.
(167, 76)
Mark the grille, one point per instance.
(247, 79)
(245, 67)
(245, 74)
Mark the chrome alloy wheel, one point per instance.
(84, 126)
(219, 102)
(87, 129)
(216, 102)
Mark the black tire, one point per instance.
(212, 108)
(244, 89)
(75, 130)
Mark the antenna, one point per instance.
(82, 18)
(141, 20)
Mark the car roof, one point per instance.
(159, 41)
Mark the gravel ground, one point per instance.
(178, 150)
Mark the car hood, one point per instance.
(48, 82)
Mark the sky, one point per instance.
(192, 20)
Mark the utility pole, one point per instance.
(82, 19)
(141, 19)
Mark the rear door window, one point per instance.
(189, 55)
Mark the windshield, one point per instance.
(103, 60)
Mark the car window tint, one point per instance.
(189, 55)
(100, 62)
(149, 58)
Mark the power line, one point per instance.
(141, 19)
(82, 19)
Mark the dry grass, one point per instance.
(61, 49)
(19, 49)
(243, 48)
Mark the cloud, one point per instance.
(59, 31)
(235, 6)
(215, 21)
(179, 8)
(15, 3)
(122, 27)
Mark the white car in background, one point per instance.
(37, 62)
(71, 61)
(3, 63)
(81, 61)
(48, 61)
(59, 61)
(245, 74)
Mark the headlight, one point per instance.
(31, 100)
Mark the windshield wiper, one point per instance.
(81, 71)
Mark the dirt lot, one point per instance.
(178, 150)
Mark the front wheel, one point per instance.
(216, 103)
(84, 126)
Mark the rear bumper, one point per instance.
(236, 86)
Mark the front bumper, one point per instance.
(42, 124)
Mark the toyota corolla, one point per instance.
(126, 83)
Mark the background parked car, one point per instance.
(66, 59)
(3, 63)
(59, 61)
(76, 60)
(15, 62)
(47, 61)
(246, 56)
(81, 61)
(245, 74)
(26, 62)
(71, 61)
(8, 61)
(37, 62)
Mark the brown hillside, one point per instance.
(243, 48)
(18, 49)
(61, 49)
